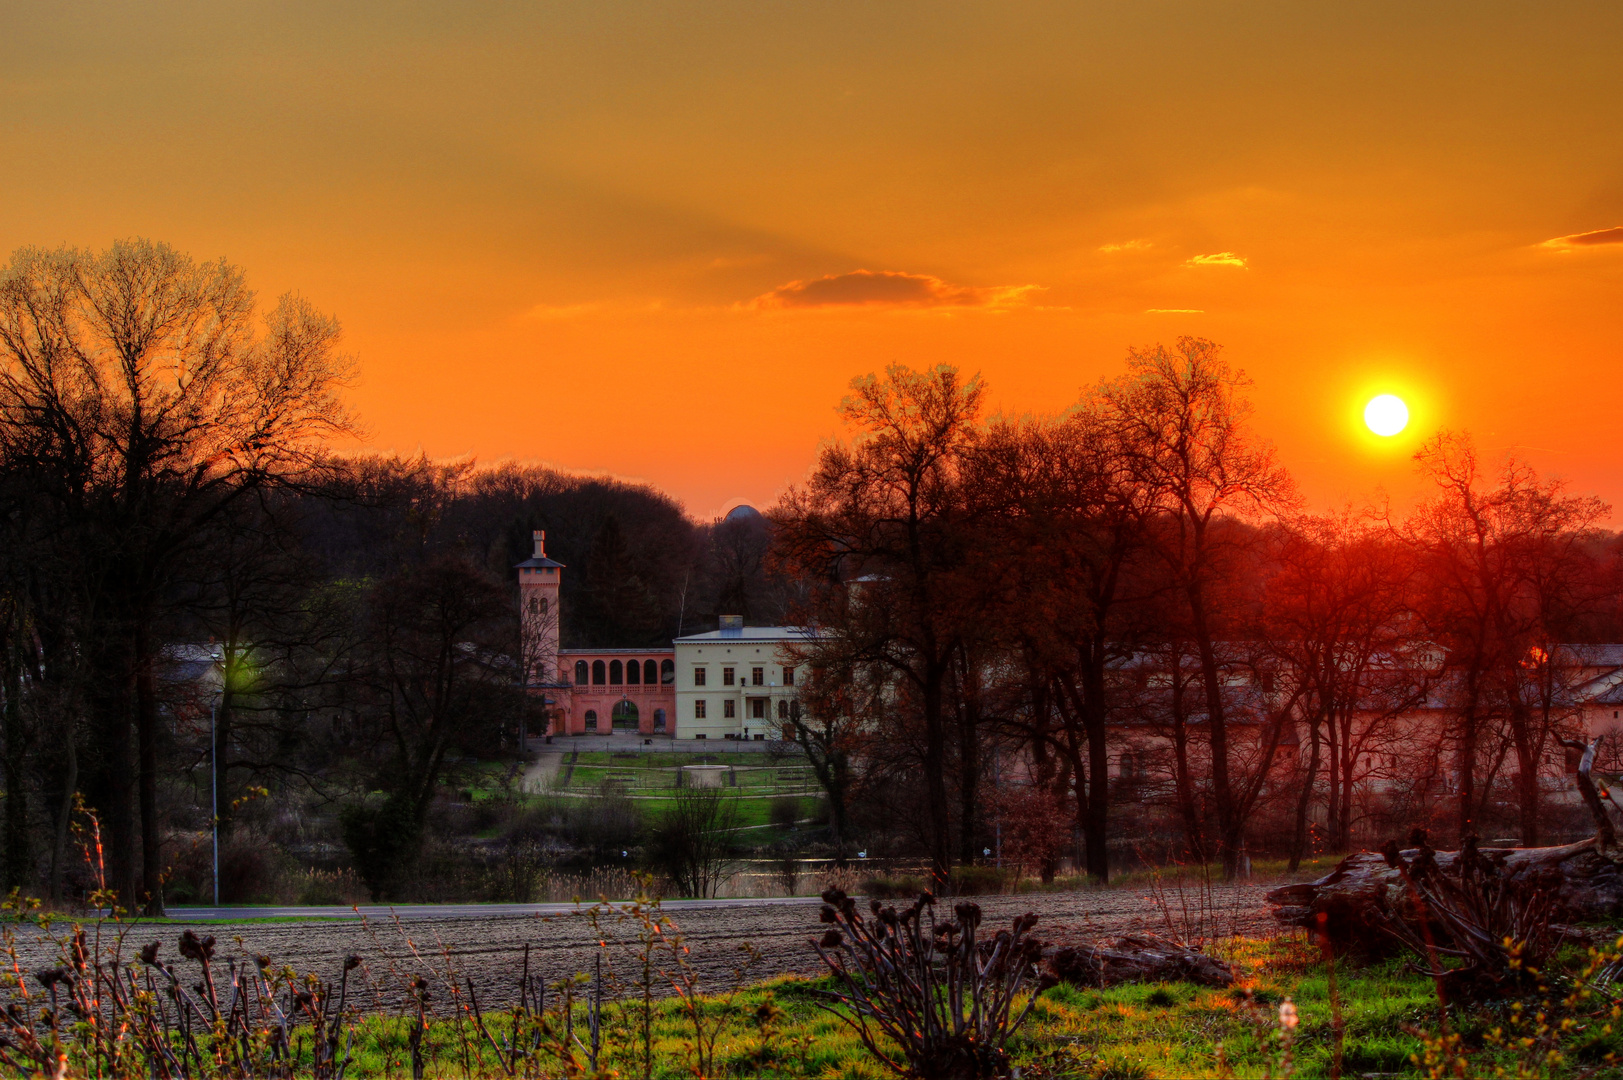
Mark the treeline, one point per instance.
(182, 551)
(1126, 604)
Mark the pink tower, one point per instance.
(538, 580)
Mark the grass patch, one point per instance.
(1165, 1030)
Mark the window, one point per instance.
(788, 676)
(543, 605)
(757, 676)
(698, 709)
(758, 708)
(599, 672)
(616, 673)
(794, 710)
(650, 672)
(535, 605)
(581, 675)
(667, 672)
(698, 676)
(783, 709)
(591, 718)
(729, 709)
(659, 716)
(726, 676)
(633, 672)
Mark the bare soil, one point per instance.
(490, 952)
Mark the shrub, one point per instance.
(384, 839)
(692, 845)
(785, 811)
(981, 880)
(893, 888)
(937, 991)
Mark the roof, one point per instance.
(539, 562)
(754, 635)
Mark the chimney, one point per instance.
(540, 543)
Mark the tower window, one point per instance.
(535, 605)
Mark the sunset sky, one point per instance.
(657, 240)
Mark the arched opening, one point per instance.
(650, 672)
(599, 673)
(616, 673)
(667, 671)
(659, 717)
(633, 673)
(591, 720)
(582, 673)
(624, 716)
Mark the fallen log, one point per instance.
(1136, 958)
(1351, 903)
(1345, 903)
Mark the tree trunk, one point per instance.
(1229, 824)
(146, 713)
(935, 780)
(1097, 825)
(19, 868)
(1182, 782)
(1305, 799)
(64, 814)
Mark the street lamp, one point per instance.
(214, 779)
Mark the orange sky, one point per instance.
(574, 232)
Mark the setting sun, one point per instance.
(1386, 414)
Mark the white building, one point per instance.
(738, 682)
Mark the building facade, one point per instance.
(735, 683)
(738, 682)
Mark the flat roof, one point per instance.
(759, 635)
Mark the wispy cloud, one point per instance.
(1221, 258)
(1125, 245)
(1174, 311)
(889, 288)
(1593, 238)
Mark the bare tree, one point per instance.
(887, 510)
(1503, 566)
(138, 394)
(1180, 418)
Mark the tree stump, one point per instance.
(1136, 958)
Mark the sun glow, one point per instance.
(1386, 415)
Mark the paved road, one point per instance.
(451, 911)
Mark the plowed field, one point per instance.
(490, 950)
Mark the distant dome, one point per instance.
(743, 512)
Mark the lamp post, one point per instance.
(214, 790)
